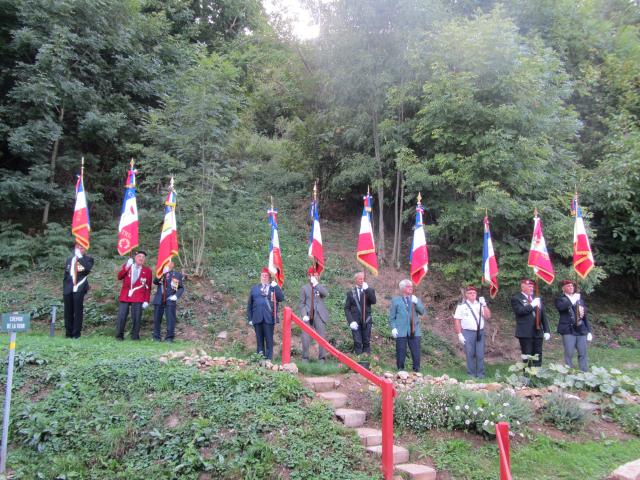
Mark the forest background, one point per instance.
(479, 105)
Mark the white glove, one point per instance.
(547, 336)
(353, 325)
(589, 337)
(173, 298)
(482, 301)
(305, 318)
(313, 280)
(394, 333)
(274, 284)
(461, 338)
(414, 299)
(145, 304)
(250, 323)
(535, 302)
(165, 269)
(129, 262)
(77, 253)
(364, 285)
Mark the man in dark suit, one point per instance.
(357, 308)
(573, 325)
(134, 294)
(531, 321)
(262, 307)
(314, 312)
(75, 286)
(170, 289)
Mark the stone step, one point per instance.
(369, 436)
(400, 454)
(321, 384)
(414, 471)
(350, 417)
(336, 399)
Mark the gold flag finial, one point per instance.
(81, 166)
(535, 211)
(419, 197)
(315, 191)
(131, 163)
(271, 196)
(171, 183)
(367, 190)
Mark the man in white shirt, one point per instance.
(469, 320)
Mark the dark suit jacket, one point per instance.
(175, 286)
(526, 317)
(569, 314)
(85, 264)
(353, 305)
(259, 307)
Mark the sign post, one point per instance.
(12, 323)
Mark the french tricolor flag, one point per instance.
(489, 263)
(538, 255)
(128, 227)
(366, 249)
(316, 250)
(419, 258)
(583, 261)
(275, 255)
(169, 236)
(80, 225)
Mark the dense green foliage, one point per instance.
(480, 106)
(101, 409)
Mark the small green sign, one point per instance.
(15, 322)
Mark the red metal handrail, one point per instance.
(502, 435)
(386, 386)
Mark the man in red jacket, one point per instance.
(135, 294)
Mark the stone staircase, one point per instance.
(371, 438)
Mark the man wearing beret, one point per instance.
(469, 320)
(573, 324)
(134, 294)
(262, 312)
(313, 312)
(74, 287)
(170, 289)
(531, 322)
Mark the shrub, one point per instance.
(628, 417)
(564, 412)
(424, 409)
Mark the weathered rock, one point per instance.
(290, 367)
(222, 335)
(628, 471)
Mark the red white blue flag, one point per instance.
(169, 236)
(489, 263)
(80, 225)
(275, 255)
(538, 255)
(583, 261)
(366, 249)
(316, 250)
(419, 258)
(128, 227)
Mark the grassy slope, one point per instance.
(98, 408)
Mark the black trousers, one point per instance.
(362, 338)
(73, 314)
(401, 352)
(264, 339)
(158, 311)
(136, 316)
(532, 346)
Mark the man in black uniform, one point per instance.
(170, 289)
(357, 309)
(531, 321)
(74, 287)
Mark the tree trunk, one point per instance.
(376, 149)
(400, 223)
(396, 219)
(52, 174)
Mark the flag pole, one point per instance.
(315, 206)
(535, 215)
(131, 163)
(575, 190)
